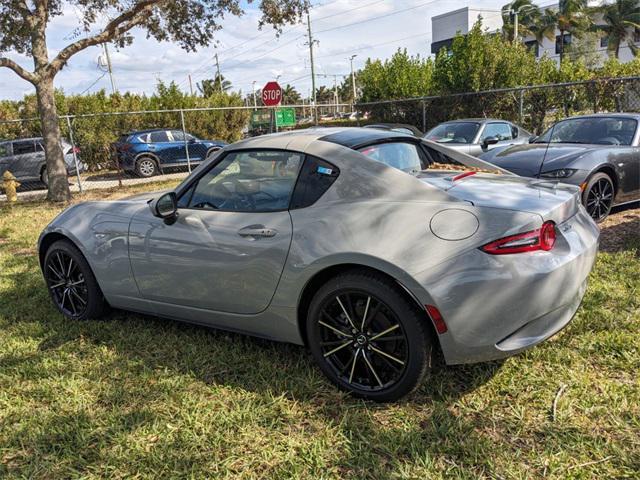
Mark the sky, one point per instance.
(366, 28)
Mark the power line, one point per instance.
(349, 10)
(91, 86)
(386, 15)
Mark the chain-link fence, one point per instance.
(112, 149)
(535, 108)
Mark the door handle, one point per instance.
(257, 231)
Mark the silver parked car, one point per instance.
(343, 240)
(25, 158)
(475, 136)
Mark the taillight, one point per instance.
(544, 238)
(75, 150)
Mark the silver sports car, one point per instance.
(476, 136)
(340, 239)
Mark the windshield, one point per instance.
(592, 130)
(400, 155)
(454, 132)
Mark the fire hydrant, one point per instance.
(10, 185)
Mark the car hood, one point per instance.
(526, 159)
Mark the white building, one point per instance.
(445, 27)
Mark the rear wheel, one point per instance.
(71, 283)
(146, 167)
(368, 338)
(44, 176)
(598, 196)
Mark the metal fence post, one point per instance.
(73, 150)
(424, 116)
(186, 143)
(521, 107)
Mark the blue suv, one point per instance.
(149, 152)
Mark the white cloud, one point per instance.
(247, 54)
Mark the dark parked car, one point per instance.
(600, 153)
(148, 152)
(475, 136)
(25, 158)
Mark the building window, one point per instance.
(604, 41)
(567, 41)
(533, 46)
(636, 35)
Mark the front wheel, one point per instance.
(598, 196)
(368, 338)
(71, 283)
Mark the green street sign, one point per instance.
(285, 117)
(260, 118)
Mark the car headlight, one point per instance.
(562, 173)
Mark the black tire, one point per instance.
(44, 177)
(71, 283)
(146, 167)
(360, 363)
(598, 196)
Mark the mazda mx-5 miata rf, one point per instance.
(600, 153)
(344, 241)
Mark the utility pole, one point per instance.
(515, 25)
(218, 70)
(353, 79)
(313, 72)
(255, 103)
(108, 58)
(190, 85)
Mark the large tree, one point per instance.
(620, 18)
(189, 23)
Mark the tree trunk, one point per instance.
(56, 170)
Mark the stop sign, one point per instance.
(271, 94)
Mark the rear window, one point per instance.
(4, 150)
(401, 155)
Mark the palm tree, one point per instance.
(213, 85)
(571, 17)
(528, 16)
(290, 95)
(619, 18)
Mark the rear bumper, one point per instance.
(498, 305)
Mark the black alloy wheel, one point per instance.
(367, 337)
(71, 283)
(598, 198)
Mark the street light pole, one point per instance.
(353, 79)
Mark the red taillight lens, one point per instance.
(543, 238)
(75, 150)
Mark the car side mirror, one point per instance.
(165, 206)
(490, 141)
(532, 138)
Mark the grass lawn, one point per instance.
(135, 396)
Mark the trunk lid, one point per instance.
(550, 199)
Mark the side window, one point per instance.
(316, 176)
(249, 181)
(502, 131)
(514, 131)
(20, 148)
(178, 136)
(4, 150)
(39, 147)
(155, 137)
